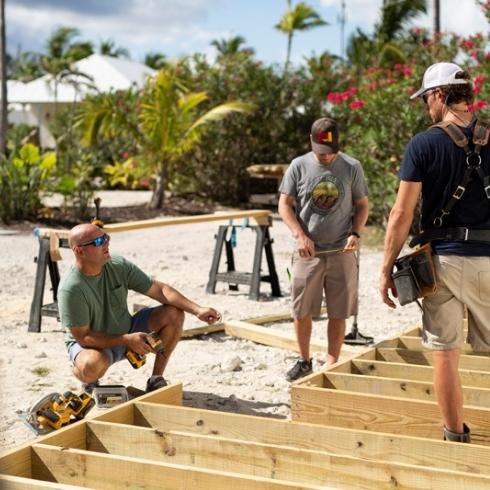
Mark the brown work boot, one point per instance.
(458, 436)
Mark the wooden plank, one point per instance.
(363, 411)
(204, 330)
(270, 461)
(398, 370)
(274, 338)
(19, 483)
(476, 363)
(124, 414)
(109, 472)
(413, 332)
(404, 388)
(261, 217)
(368, 445)
(17, 461)
(415, 343)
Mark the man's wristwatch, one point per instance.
(355, 234)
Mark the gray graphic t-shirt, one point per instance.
(325, 196)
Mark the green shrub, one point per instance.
(24, 177)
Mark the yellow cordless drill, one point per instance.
(138, 360)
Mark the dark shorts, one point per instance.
(139, 323)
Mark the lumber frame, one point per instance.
(141, 439)
(368, 445)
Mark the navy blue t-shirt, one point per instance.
(432, 158)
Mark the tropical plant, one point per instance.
(231, 47)
(26, 67)
(166, 122)
(300, 18)
(172, 123)
(108, 48)
(157, 61)
(62, 51)
(382, 47)
(24, 177)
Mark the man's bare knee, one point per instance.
(90, 366)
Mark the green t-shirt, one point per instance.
(100, 301)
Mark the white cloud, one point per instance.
(145, 25)
(463, 17)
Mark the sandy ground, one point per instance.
(218, 372)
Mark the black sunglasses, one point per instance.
(97, 242)
(425, 97)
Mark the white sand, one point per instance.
(181, 256)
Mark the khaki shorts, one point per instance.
(460, 281)
(334, 274)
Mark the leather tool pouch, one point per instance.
(414, 275)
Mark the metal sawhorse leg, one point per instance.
(44, 262)
(232, 277)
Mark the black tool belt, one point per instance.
(460, 234)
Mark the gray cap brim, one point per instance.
(323, 149)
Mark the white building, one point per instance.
(35, 102)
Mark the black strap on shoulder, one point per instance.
(454, 132)
(481, 134)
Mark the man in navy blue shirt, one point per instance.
(458, 229)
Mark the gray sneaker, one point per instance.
(154, 383)
(300, 369)
(89, 387)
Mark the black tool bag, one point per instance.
(414, 275)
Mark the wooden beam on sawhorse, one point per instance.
(232, 277)
(51, 239)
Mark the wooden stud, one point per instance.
(471, 362)
(109, 472)
(365, 444)
(394, 415)
(404, 388)
(398, 370)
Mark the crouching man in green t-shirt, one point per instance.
(92, 301)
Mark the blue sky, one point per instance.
(179, 27)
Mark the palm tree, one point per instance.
(231, 46)
(3, 89)
(301, 18)
(169, 123)
(157, 61)
(436, 17)
(26, 67)
(109, 48)
(394, 16)
(62, 51)
(380, 48)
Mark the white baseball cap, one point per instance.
(440, 75)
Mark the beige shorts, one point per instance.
(460, 281)
(334, 274)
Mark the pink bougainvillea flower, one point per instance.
(357, 104)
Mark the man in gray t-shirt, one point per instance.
(324, 203)
(92, 301)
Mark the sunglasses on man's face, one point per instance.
(97, 242)
(426, 96)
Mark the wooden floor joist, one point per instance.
(389, 388)
(376, 427)
(148, 444)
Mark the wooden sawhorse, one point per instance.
(231, 276)
(50, 240)
(44, 262)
